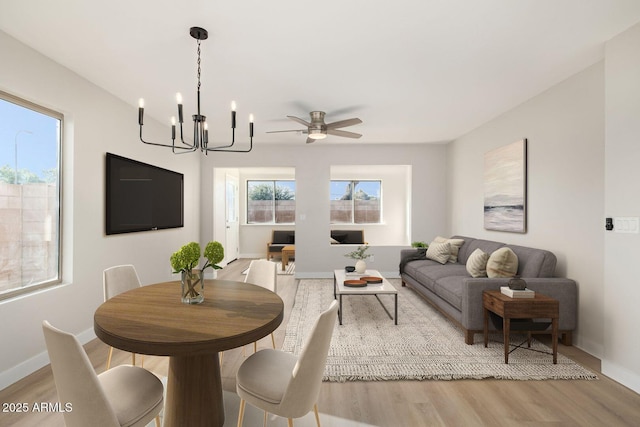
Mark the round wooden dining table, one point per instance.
(153, 320)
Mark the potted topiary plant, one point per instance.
(360, 255)
(185, 261)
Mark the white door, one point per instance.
(232, 232)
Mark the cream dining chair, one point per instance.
(116, 280)
(283, 384)
(263, 273)
(123, 396)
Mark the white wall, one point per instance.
(622, 251)
(95, 122)
(564, 127)
(312, 165)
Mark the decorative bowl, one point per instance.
(350, 269)
(355, 283)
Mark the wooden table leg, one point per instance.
(506, 326)
(554, 337)
(285, 260)
(194, 392)
(486, 327)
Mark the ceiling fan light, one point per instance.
(317, 134)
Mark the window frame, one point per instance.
(353, 183)
(25, 290)
(273, 201)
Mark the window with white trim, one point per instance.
(30, 196)
(356, 202)
(271, 202)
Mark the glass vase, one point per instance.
(192, 287)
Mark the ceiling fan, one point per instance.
(318, 129)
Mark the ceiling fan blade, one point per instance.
(299, 120)
(343, 123)
(310, 140)
(343, 133)
(280, 131)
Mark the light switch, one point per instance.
(626, 224)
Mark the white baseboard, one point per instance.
(36, 362)
(329, 275)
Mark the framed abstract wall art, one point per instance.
(505, 188)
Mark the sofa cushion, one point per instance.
(450, 289)
(502, 262)
(454, 247)
(427, 272)
(439, 252)
(487, 246)
(477, 263)
(534, 262)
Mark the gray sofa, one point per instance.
(452, 290)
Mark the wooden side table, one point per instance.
(538, 307)
(287, 251)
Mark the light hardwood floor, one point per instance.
(392, 403)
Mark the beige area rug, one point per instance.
(289, 270)
(424, 345)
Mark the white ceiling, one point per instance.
(413, 70)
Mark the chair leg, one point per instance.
(109, 357)
(221, 357)
(290, 422)
(241, 413)
(133, 359)
(273, 341)
(255, 346)
(264, 422)
(315, 410)
(142, 360)
(158, 421)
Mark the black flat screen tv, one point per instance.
(142, 197)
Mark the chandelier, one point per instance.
(200, 128)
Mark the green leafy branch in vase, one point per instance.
(187, 258)
(359, 253)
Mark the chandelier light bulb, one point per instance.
(179, 97)
(233, 105)
(141, 103)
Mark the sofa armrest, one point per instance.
(564, 290)
(407, 255)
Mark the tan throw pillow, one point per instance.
(455, 246)
(439, 252)
(477, 263)
(502, 263)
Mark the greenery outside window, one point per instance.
(30, 196)
(271, 202)
(356, 202)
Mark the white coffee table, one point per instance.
(375, 289)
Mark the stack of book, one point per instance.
(525, 293)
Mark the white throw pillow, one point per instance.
(477, 263)
(455, 246)
(439, 252)
(503, 262)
